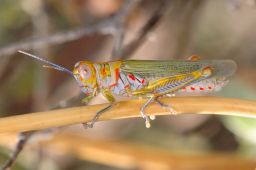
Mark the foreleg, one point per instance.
(111, 100)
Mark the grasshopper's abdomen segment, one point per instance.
(205, 86)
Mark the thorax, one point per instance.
(107, 74)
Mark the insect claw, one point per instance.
(152, 117)
(96, 117)
(147, 119)
(88, 125)
(147, 123)
(172, 111)
(171, 95)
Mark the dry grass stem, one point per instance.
(128, 155)
(127, 109)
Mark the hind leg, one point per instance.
(166, 106)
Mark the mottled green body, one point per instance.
(147, 78)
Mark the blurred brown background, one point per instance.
(221, 29)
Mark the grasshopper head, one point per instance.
(85, 75)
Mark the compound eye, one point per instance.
(85, 72)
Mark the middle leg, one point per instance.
(143, 114)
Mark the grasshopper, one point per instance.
(146, 79)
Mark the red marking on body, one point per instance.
(143, 82)
(117, 77)
(209, 87)
(183, 88)
(117, 74)
(127, 86)
(87, 93)
(81, 78)
(192, 88)
(113, 85)
(104, 69)
(131, 76)
(201, 88)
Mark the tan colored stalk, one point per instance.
(129, 155)
(127, 109)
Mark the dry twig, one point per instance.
(23, 138)
(127, 155)
(75, 115)
(118, 41)
(149, 26)
(106, 26)
(119, 28)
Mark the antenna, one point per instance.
(51, 65)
